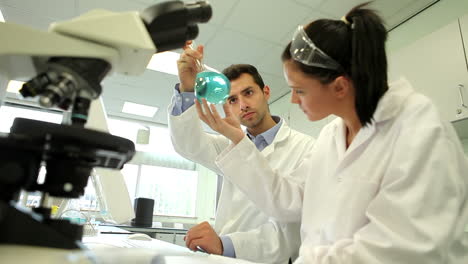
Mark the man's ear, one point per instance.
(341, 87)
(266, 92)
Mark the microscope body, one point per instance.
(64, 68)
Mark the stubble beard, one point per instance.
(253, 123)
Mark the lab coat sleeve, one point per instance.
(181, 101)
(192, 142)
(271, 242)
(277, 195)
(419, 207)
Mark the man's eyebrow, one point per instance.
(246, 88)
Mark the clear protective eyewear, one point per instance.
(304, 51)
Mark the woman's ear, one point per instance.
(342, 87)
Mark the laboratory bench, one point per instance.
(167, 234)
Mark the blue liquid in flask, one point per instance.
(214, 87)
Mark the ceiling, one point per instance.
(240, 31)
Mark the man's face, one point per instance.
(248, 101)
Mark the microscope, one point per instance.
(64, 68)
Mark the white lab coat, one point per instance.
(396, 195)
(255, 236)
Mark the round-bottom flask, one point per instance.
(214, 87)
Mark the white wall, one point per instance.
(465, 146)
(433, 18)
(282, 106)
(439, 15)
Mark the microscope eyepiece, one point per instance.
(199, 12)
(171, 24)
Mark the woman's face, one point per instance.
(315, 99)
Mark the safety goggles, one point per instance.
(304, 51)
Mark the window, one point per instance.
(88, 201)
(130, 173)
(174, 190)
(178, 186)
(158, 172)
(7, 116)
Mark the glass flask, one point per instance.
(211, 84)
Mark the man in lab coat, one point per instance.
(241, 229)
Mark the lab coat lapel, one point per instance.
(345, 156)
(340, 139)
(282, 134)
(364, 134)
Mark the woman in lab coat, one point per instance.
(386, 180)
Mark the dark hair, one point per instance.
(359, 46)
(235, 70)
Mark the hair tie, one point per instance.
(346, 21)
(343, 18)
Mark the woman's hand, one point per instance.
(228, 126)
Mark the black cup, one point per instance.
(143, 212)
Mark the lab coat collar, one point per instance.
(392, 102)
(364, 134)
(388, 107)
(283, 133)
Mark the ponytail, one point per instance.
(368, 60)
